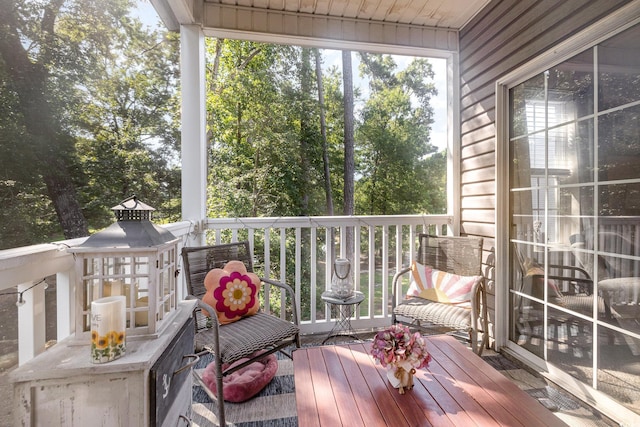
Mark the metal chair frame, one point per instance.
(231, 342)
(457, 255)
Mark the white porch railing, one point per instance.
(296, 251)
(291, 249)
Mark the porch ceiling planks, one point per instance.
(411, 24)
(434, 13)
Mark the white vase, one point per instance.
(391, 374)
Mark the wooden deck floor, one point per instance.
(341, 385)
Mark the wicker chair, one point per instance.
(457, 255)
(242, 338)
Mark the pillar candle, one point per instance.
(108, 328)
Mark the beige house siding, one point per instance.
(502, 37)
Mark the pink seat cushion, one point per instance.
(244, 383)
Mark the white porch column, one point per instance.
(453, 142)
(194, 141)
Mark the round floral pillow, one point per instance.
(232, 291)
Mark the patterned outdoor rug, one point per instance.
(274, 406)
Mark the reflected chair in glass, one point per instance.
(572, 292)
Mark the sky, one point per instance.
(148, 16)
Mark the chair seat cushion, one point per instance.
(244, 383)
(424, 310)
(247, 335)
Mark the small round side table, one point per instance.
(344, 310)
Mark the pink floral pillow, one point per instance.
(244, 383)
(440, 286)
(232, 291)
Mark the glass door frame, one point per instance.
(584, 40)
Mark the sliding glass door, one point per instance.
(574, 234)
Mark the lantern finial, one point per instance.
(131, 209)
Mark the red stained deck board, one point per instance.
(342, 385)
(305, 397)
(496, 384)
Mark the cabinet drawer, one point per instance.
(169, 375)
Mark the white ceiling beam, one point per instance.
(173, 13)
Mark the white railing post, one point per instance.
(313, 242)
(65, 301)
(298, 267)
(385, 269)
(31, 321)
(372, 267)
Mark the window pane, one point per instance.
(619, 148)
(571, 153)
(527, 106)
(618, 368)
(570, 344)
(619, 70)
(619, 200)
(570, 88)
(522, 162)
(527, 327)
(528, 212)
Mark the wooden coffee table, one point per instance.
(341, 385)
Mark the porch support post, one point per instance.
(453, 143)
(194, 141)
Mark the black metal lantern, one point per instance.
(134, 258)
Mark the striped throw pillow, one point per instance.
(440, 286)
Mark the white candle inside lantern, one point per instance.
(108, 328)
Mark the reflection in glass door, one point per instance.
(575, 216)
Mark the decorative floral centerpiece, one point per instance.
(401, 352)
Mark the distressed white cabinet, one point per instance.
(150, 385)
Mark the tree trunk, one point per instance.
(323, 132)
(213, 82)
(349, 162)
(45, 134)
(305, 132)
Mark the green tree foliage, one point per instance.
(266, 143)
(88, 117)
(128, 126)
(34, 43)
(399, 174)
(265, 157)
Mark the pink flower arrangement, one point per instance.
(397, 345)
